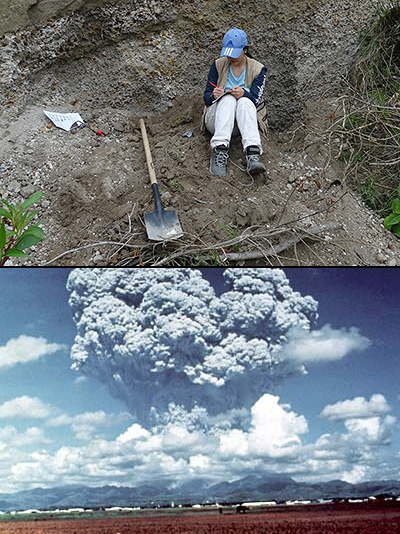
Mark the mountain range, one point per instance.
(200, 490)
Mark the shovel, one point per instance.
(160, 224)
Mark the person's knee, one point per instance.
(230, 98)
(246, 111)
(246, 103)
(228, 101)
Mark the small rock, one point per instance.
(27, 191)
(392, 262)
(166, 197)
(241, 217)
(132, 138)
(14, 186)
(305, 186)
(97, 258)
(104, 128)
(118, 127)
(381, 258)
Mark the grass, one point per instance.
(375, 196)
(232, 232)
(371, 123)
(175, 185)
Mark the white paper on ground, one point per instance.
(65, 120)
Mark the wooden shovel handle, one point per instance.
(149, 159)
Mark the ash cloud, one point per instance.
(162, 338)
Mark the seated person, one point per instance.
(234, 89)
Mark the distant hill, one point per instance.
(200, 490)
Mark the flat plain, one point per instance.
(366, 518)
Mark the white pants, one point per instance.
(229, 114)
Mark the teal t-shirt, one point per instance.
(233, 80)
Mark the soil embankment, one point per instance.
(114, 62)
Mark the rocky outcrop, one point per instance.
(148, 51)
(18, 14)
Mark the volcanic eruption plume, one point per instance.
(162, 337)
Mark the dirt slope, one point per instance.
(97, 189)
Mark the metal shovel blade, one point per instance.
(162, 224)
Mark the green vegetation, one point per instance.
(232, 232)
(392, 221)
(371, 123)
(16, 231)
(375, 195)
(182, 119)
(378, 63)
(175, 186)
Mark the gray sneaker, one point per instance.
(253, 163)
(219, 160)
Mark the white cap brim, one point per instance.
(229, 51)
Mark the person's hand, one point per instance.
(218, 91)
(237, 91)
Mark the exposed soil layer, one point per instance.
(97, 188)
(114, 62)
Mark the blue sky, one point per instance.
(37, 305)
(340, 420)
(367, 299)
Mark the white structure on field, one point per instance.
(260, 503)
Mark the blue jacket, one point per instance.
(256, 74)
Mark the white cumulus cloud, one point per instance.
(377, 430)
(326, 344)
(271, 439)
(10, 436)
(199, 463)
(25, 349)
(360, 451)
(356, 408)
(133, 433)
(274, 431)
(86, 424)
(355, 474)
(26, 406)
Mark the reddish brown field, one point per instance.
(358, 519)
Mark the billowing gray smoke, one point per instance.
(157, 337)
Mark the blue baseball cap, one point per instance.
(233, 43)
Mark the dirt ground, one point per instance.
(314, 520)
(300, 212)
